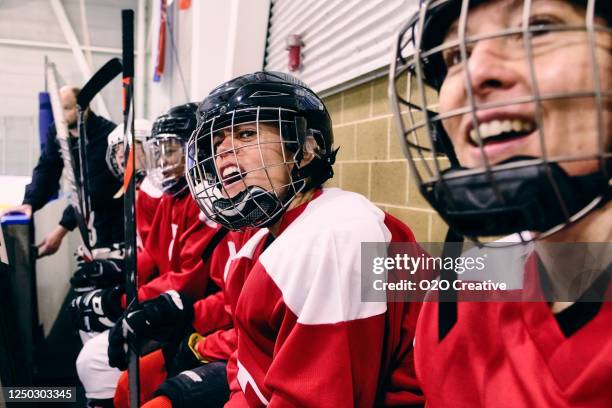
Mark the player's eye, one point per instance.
(541, 23)
(452, 56)
(246, 134)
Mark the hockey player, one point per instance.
(522, 117)
(171, 259)
(105, 270)
(148, 195)
(115, 151)
(204, 349)
(261, 153)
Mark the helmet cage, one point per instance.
(165, 154)
(255, 206)
(115, 152)
(416, 75)
(114, 165)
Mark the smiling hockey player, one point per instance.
(516, 96)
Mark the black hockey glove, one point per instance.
(97, 310)
(186, 355)
(99, 273)
(206, 383)
(162, 319)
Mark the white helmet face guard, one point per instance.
(115, 158)
(489, 198)
(247, 205)
(115, 149)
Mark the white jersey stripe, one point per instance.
(317, 264)
(244, 378)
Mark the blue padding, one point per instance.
(15, 219)
(45, 118)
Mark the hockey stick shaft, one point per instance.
(129, 203)
(71, 171)
(83, 168)
(96, 83)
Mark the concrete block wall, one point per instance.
(371, 162)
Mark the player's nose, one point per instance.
(489, 69)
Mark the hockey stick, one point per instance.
(129, 203)
(71, 171)
(98, 81)
(95, 84)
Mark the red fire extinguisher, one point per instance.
(294, 46)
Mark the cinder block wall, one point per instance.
(371, 162)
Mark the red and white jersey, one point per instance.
(216, 309)
(515, 354)
(305, 338)
(147, 200)
(172, 255)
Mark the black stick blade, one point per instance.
(98, 81)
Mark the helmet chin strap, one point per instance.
(176, 188)
(254, 207)
(536, 197)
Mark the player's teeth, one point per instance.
(484, 129)
(506, 126)
(496, 127)
(230, 170)
(474, 136)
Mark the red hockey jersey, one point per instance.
(146, 205)
(229, 255)
(172, 255)
(514, 354)
(305, 338)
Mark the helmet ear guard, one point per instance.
(312, 142)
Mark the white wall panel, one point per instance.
(343, 40)
(22, 68)
(229, 40)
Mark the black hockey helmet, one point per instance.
(165, 150)
(179, 121)
(272, 98)
(437, 17)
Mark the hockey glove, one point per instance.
(186, 355)
(97, 310)
(99, 273)
(162, 319)
(204, 383)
